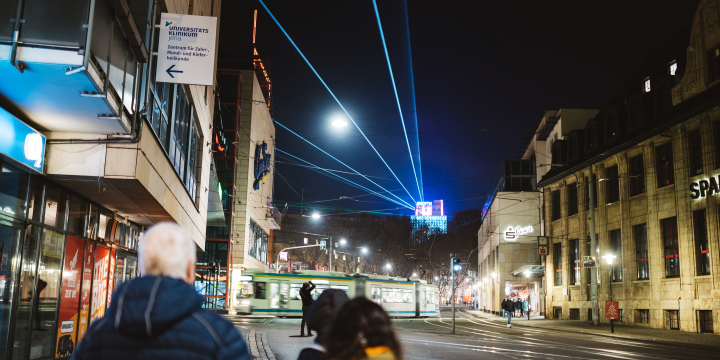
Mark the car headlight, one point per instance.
(245, 302)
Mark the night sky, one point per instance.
(484, 72)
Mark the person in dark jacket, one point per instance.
(160, 315)
(502, 307)
(509, 309)
(307, 301)
(320, 316)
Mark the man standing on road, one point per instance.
(307, 300)
(502, 307)
(509, 309)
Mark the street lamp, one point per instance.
(388, 267)
(609, 258)
(364, 250)
(527, 285)
(315, 215)
(342, 241)
(414, 275)
(340, 123)
(494, 275)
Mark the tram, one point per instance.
(279, 294)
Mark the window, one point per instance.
(642, 316)
(260, 290)
(702, 253)
(672, 319)
(611, 125)
(641, 251)
(646, 85)
(13, 190)
(665, 167)
(616, 249)
(637, 175)
(634, 113)
(705, 321)
(557, 263)
(695, 153)
(576, 265)
(620, 315)
(572, 191)
(215, 251)
(664, 98)
(258, 243)
(670, 242)
(714, 64)
(589, 314)
(574, 314)
(673, 68)
(558, 312)
(612, 184)
(556, 205)
(716, 142)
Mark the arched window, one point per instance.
(664, 98)
(634, 115)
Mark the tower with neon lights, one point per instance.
(429, 219)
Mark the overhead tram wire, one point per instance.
(336, 159)
(403, 203)
(333, 95)
(414, 104)
(397, 98)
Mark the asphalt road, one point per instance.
(484, 339)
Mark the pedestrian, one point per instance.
(502, 306)
(518, 307)
(526, 308)
(361, 330)
(509, 309)
(320, 317)
(160, 315)
(307, 300)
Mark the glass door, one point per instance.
(10, 237)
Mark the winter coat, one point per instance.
(518, 305)
(306, 295)
(525, 306)
(321, 314)
(509, 306)
(160, 318)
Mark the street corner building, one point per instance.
(654, 152)
(93, 151)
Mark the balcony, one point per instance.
(74, 66)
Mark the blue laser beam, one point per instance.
(336, 159)
(412, 88)
(333, 95)
(340, 178)
(397, 98)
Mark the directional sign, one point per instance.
(186, 50)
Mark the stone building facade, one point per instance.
(655, 152)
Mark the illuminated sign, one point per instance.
(262, 165)
(21, 142)
(704, 187)
(512, 234)
(423, 208)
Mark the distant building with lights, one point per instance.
(429, 219)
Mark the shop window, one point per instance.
(557, 263)
(616, 249)
(641, 251)
(672, 319)
(670, 242)
(695, 153)
(714, 64)
(105, 225)
(9, 237)
(575, 258)
(705, 321)
(125, 268)
(13, 191)
(556, 205)
(642, 316)
(76, 215)
(702, 252)
(35, 199)
(665, 167)
(572, 191)
(258, 243)
(574, 314)
(637, 175)
(558, 312)
(92, 226)
(55, 203)
(612, 184)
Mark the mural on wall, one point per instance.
(262, 165)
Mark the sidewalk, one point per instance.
(642, 333)
(258, 344)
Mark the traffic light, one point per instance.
(323, 244)
(456, 265)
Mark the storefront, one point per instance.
(61, 256)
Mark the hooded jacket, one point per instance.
(160, 318)
(320, 316)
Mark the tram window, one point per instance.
(407, 295)
(429, 297)
(260, 290)
(295, 291)
(376, 294)
(398, 295)
(388, 295)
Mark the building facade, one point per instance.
(654, 149)
(94, 150)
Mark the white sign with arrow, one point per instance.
(186, 50)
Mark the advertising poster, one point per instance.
(85, 291)
(611, 310)
(99, 284)
(111, 277)
(69, 296)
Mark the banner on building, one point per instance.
(69, 296)
(85, 290)
(111, 277)
(612, 310)
(99, 284)
(283, 256)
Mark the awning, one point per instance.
(534, 269)
(215, 215)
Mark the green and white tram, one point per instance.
(279, 294)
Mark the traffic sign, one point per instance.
(542, 250)
(186, 50)
(589, 262)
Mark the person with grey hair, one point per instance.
(159, 315)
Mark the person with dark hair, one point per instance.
(509, 308)
(307, 301)
(361, 330)
(320, 317)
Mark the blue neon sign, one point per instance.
(21, 142)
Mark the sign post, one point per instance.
(186, 49)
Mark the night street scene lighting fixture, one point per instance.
(339, 123)
(610, 258)
(342, 241)
(414, 275)
(364, 250)
(315, 215)
(436, 278)
(388, 266)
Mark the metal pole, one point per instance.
(452, 286)
(593, 250)
(330, 255)
(612, 325)
(216, 268)
(527, 284)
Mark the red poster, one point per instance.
(612, 310)
(69, 296)
(85, 292)
(99, 285)
(111, 277)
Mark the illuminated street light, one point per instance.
(414, 275)
(364, 250)
(315, 215)
(436, 278)
(339, 123)
(609, 258)
(388, 266)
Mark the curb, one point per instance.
(259, 346)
